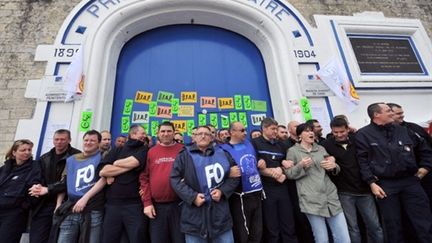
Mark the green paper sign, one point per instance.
(243, 118)
(125, 123)
(224, 121)
(127, 107)
(247, 102)
(152, 108)
(190, 124)
(259, 105)
(175, 106)
(86, 121)
(238, 102)
(202, 120)
(146, 127)
(233, 117)
(165, 97)
(214, 120)
(305, 108)
(154, 128)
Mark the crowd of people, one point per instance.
(279, 184)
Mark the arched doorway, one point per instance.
(189, 74)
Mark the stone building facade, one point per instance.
(25, 24)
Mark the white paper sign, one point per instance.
(257, 118)
(140, 117)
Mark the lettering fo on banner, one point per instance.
(208, 102)
(226, 103)
(164, 112)
(188, 97)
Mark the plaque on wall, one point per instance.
(313, 86)
(385, 55)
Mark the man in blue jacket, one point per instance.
(387, 158)
(200, 177)
(245, 203)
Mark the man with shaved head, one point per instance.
(292, 126)
(245, 203)
(392, 161)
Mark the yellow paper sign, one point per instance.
(143, 97)
(180, 125)
(164, 112)
(208, 102)
(188, 97)
(186, 111)
(226, 103)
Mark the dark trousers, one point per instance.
(278, 215)
(41, 224)
(246, 212)
(12, 224)
(405, 194)
(426, 183)
(127, 217)
(165, 228)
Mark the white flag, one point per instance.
(74, 78)
(335, 77)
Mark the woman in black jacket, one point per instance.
(17, 175)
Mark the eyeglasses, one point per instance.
(203, 134)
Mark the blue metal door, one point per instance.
(191, 75)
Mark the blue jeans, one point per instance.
(225, 237)
(70, 228)
(365, 204)
(338, 227)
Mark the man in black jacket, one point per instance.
(387, 158)
(398, 116)
(278, 213)
(52, 165)
(354, 193)
(123, 208)
(317, 129)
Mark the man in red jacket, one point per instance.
(161, 203)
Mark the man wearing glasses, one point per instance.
(245, 203)
(200, 177)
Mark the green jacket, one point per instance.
(317, 193)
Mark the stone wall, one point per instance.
(25, 24)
